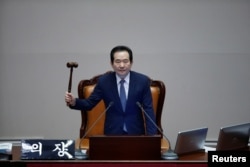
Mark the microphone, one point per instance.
(169, 154)
(79, 153)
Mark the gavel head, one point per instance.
(72, 64)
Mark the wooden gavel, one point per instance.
(71, 65)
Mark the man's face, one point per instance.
(121, 64)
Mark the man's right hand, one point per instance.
(70, 99)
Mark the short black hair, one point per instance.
(121, 48)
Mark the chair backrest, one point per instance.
(85, 88)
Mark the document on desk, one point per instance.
(209, 148)
(5, 148)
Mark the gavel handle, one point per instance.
(70, 79)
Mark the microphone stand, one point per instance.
(79, 154)
(169, 154)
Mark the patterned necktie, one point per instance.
(123, 94)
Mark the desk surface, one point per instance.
(198, 159)
(192, 157)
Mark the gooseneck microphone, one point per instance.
(79, 153)
(169, 154)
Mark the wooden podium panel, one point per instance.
(125, 147)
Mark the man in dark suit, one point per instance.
(135, 87)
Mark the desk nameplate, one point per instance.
(47, 149)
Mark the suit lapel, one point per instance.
(113, 87)
(132, 87)
(114, 91)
